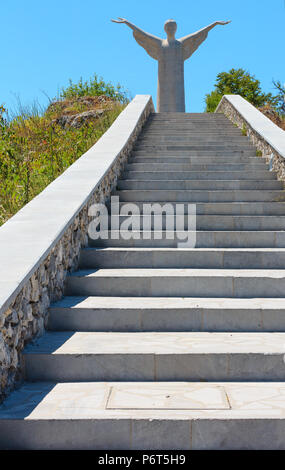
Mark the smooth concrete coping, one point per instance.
(28, 237)
(262, 125)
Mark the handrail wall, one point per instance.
(42, 242)
(268, 138)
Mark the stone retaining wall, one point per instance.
(268, 138)
(24, 312)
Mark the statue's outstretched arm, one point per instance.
(149, 42)
(193, 41)
(130, 25)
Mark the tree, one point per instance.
(2, 119)
(212, 100)
(280, 97)
(238, 82)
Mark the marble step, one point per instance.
(177, 282)
(210, 117)
(219, 258)
(193, 196)
(148, 356)
(183, 116)
(203, 222)
(188, 117)
(201, 133)
(150, 152)
(167, 314)
(205, 167)
(186, 121)
(196, 160)
(258, 175)
(191, 128)
(214, 139)
(221, 208)
(235, 143)
(199, 184)
(198, 127)
(144, 415)
(230, 141)
(202, 146)
(200, 239)
(186, 139)
(200, 123)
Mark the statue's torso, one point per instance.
(171, 76)
(171, 50)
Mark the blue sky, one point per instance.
(46, 43)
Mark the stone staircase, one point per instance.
(155, 347)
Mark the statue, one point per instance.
(170, 54)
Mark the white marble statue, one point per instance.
(170, 54)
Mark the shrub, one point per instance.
(212, 100)
(95, 86)
(238, 82)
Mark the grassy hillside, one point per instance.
(36, 146)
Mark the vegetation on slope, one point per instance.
(36, 147)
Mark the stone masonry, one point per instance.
(276, 160)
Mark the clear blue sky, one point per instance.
(46, 43)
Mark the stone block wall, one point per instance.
(275, 158)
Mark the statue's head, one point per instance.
(170, 27)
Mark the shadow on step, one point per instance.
(23, 401)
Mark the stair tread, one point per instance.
(180, 272)
(143, 400)
(219, 232)
(194, 172)
(188, 191)
(165, 303)
(133, 180)
(169, 343)
(235, 216)
(185, 250)
(219, 203)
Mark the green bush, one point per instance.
(212, 100)
(238, 82)
(95, 86)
